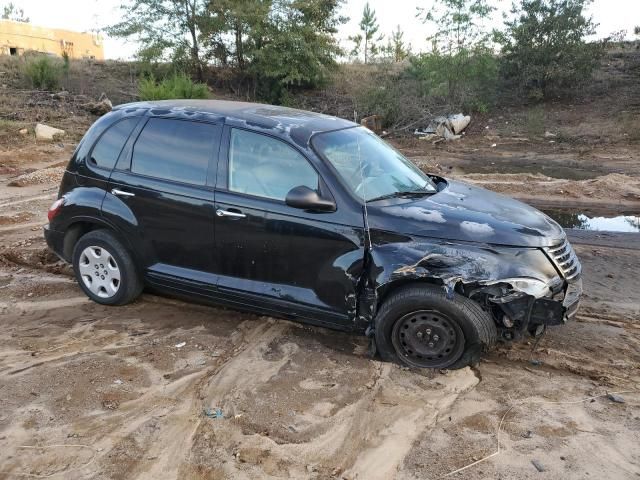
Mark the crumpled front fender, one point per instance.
(448, 263)
(397, 259)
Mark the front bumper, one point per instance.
(565, 299)
(55, 241)
(571, 300)
(559, 309)
(521, 314)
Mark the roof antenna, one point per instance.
(364, 198)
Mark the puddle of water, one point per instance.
(580, 221)
(553, 171)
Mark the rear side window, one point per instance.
(174, 150)
(266, 167)
(106, 151)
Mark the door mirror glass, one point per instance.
(304, 198)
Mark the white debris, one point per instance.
(45, 132)
(444, 128)
(459, 122)
(118, 381)
(180, 345)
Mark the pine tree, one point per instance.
(369, 27)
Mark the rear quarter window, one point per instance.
(107, 149)
(175, 150)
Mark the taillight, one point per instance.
(55, 208)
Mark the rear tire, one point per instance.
(105, 270)
(420, 327)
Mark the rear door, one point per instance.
(269, 255)
(161, 196)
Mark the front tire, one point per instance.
(105, 270)
(420, 327)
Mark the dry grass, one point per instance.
(118, 80)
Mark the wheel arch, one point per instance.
(384, 291)
(80, 226)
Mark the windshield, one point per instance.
(369, 166)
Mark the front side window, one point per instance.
(266, 167)
(369, 166)
(106, 151)
(175, 150)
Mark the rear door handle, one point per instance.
(121, 193)
(229, 213)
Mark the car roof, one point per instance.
(298, 125)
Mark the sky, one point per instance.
(84, 15)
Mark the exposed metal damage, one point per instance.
(521, 287)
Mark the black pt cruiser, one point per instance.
(308, 217)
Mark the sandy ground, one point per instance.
(167, 389)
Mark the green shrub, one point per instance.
(466, 79)
(43, 72)
(478, 105)
(177, 85)
(66, 63)
(546, 49)
(383, 100)
(387, 90)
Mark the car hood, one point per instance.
(468, 213)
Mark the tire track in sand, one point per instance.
(365, 438)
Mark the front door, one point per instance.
(163, 193)
(272, 256)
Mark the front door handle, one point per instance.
(121, 193)
(229, 213)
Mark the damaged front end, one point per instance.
(531, 306)
(525, 289)
(518, 310)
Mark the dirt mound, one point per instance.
(16, 218)
(613, 187)
(45, 175)
(40, 258)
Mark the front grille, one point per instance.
(565, 259)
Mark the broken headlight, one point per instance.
(532, 286)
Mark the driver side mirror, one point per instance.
(304, 198)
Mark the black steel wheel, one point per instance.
(428, 339)
(421, 326)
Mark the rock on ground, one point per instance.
(45, 132)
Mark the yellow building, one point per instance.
(19, 37)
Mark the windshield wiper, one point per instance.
(411, 193)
